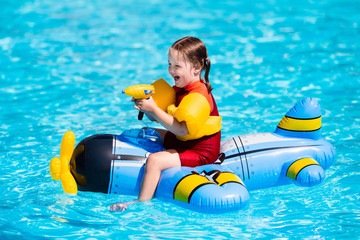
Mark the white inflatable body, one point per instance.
(263, 160)
(294, 153)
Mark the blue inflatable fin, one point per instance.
(305, 172)
(302, 121)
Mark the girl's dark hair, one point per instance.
(194, 50)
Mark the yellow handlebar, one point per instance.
(140, 91)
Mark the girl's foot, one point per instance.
(118, 207)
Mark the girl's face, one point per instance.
(181, 70)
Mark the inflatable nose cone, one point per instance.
(302, 121)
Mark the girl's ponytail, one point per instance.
(207, 65)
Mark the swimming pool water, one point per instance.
(65, 63)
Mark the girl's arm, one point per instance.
(166, 120)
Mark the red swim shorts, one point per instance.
(196, 152)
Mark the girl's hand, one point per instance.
(144, 105)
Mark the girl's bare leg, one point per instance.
(156, 163)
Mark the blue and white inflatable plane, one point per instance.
(294, 153)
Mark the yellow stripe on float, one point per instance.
(298, 165)
(187, 185)
(301, 125)
(226, 177)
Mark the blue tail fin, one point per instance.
(302, 121)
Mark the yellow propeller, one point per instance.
(59, 168)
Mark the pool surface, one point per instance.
(65, 63)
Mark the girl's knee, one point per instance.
(153, 162)
(162, 160)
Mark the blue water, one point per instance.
(65, 63)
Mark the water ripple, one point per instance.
(65, 63)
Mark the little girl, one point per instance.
(185, 145)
